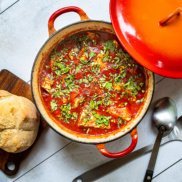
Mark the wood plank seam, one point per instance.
(42, 161)
(172, 165)
(9, 7)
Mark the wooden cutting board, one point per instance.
(15, 85)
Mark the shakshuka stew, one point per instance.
(91, 85)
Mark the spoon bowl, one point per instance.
(165, 114)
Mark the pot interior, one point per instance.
(46, 49)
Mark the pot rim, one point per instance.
(73, 136)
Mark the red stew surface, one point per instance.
(91, 85)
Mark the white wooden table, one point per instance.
(23, 30)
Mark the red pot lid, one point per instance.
(151, 32)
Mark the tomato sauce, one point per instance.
(91, 85)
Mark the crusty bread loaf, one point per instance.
(19, 122)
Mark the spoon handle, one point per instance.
(153, 158)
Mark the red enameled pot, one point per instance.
(57, 36)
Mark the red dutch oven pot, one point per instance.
(57, 36)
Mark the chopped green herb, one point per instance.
(83, 61)
(74, 115)
(85, 120)
(102, 79)
(101, 119)
(80, 80)
(83, 39)
(109, 45)
(84, 80)
(117, 60)
(65, 110)
(115, 66)
(118, 78)
(107, 101)
(57, 92)
(78, 68)
(94, 104)
(69, 81)
(108, 85)
(106, 59)
(90, 78)
(96, 68)
(91, 55)
(106, 56)
(132, 86)
(61, 68)
(53, 105)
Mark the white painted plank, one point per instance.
(173, 174)
(74, 160)
(3, 177)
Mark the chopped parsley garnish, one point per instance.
(107, 85)
(132, 86)
(90, 78)
(91, 55)
(78, 68)
(118, 78)
(95, 68)
(61, 68)
(53, 105)
(85, 81)
(69, 81)
(83, 61)
(101, 119)
(109, 45)
(106, 101)
(74, 115)
(117, 60)
(106, 57)
(57, 92)
(66, 113)
(94, 104)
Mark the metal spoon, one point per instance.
(164, 118)
(108, 167)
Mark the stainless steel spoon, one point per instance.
(164, 117)
(108, 167)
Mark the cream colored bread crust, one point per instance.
(19, 122)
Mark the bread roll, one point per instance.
(19, 122)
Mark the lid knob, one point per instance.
(171, 17)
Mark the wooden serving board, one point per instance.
(13, 84)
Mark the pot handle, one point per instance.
(105, 152)
(81, 13)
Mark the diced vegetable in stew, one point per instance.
(91, 85)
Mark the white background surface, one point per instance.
(23, 30)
